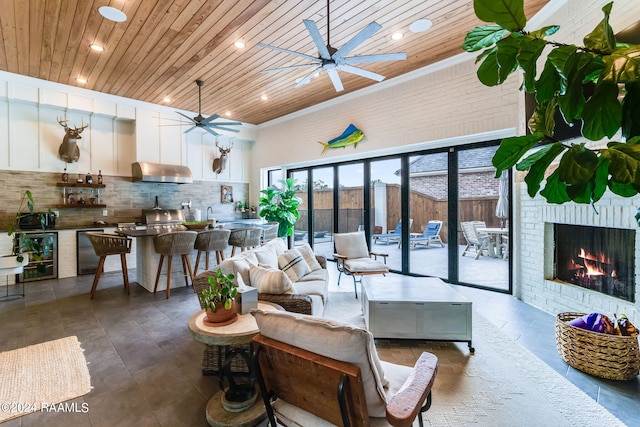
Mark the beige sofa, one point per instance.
(307, 291)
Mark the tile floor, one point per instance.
(145, 366)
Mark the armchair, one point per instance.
(313, 370)
(354, 258)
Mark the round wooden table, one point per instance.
(240, 332)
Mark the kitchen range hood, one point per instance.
(155, 172)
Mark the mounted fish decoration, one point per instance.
(351, 136)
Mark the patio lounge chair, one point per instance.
(477, 243)
(431, 234)
(393, 237)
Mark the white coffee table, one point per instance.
(404, 307)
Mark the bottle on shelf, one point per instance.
(88, 179)
(80, 180)
(99, 177)
(65, 175)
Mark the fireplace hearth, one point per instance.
(596, 258)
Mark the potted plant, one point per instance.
(25, 245)
(281, 206)
(596, 84)
(219, 298)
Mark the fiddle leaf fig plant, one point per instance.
(281, 206)
(596, 84)
(26, 244)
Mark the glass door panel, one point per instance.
(428, 210)
(351, 197)
(301, 227)
(483, 209)
(322, 179)
(386, 210)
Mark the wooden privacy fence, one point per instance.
(422, 209)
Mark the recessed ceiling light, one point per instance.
(96, 47)
(264, 97)
(81, 80)
(239, 44)
(421, 25)
(396, 36)
(112, 14)
(166, 99)
(228, 114)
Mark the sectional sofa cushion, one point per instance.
(309, 256)
(271, 281)
(292, 263)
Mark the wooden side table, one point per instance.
(240, 332)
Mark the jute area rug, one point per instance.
(40, 376)
(502, 384)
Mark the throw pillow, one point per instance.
(270, 281)
(278, 245)
(266, 255)
(292, 263)
(309, 256)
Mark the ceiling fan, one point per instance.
(333, 60)
(207, 123)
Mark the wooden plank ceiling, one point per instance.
(165, 45)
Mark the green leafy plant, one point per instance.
(221, 290)
(596, 83)
(281, 206)
(25, 243)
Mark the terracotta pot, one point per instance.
(221, 314)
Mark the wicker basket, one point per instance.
(607, 356)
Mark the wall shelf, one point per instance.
(80, 206)
(78, 185)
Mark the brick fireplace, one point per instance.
(536, 280)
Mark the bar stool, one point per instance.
(110, 244)
(173, 244)
(244, 238)
(211, 240)
(270, 231)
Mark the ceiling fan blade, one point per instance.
(279, 49)
(292, 67)
(224, 128)
(187, 117)
(317, 38)
(216, 124)
(374, 58)
(190, 129)
(335, 79)
(208, 119)
(211, 131)
(356, 40)
(362, 73)
(308, 77)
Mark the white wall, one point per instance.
(121, 131)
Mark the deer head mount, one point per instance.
(219, 163)
(69, 151)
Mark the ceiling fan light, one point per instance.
(112, 14)
(420, 25)
(396, 36)
(239, 44)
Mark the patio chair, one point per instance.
(354, 258)
(431, 234)
(393, 237)
(314, 371)
(477, 243)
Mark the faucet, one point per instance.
(209, 208)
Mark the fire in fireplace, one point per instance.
(596, 258)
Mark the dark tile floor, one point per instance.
(145, 366)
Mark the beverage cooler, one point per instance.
(47, 267)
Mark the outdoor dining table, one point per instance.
(495, 240)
